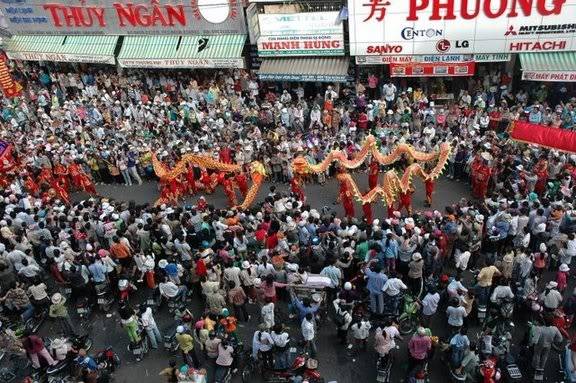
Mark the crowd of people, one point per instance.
(518, 225)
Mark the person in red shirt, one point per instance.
(367, 210)
(272, 240)
(191, 180)
(229, 191)
(242, 183)
(225, 155)
(429, 184)
(363, 121)
(296, 188)
(373, 173)
(346, 198)
(260, 234)
(406, 201)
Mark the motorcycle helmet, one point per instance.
(179, 329)
(347, 286)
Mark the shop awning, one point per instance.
(83, 49)
(322, 69)
(551, 66)
(218, 51)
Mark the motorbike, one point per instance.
(34, 323)
(384, 368)
(489, 370)
(107, 360)
(104, 297)
(408, 320)
(63, 367)
(303, 368)
(83, 307)
(140, 349)
(183, 318)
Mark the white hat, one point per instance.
(347, 286)
(543, 247)
(257, 282)
(245, 265)
(162, 263)
(421, 331)
(416, 256)
(58, 298)
(479, 218)
(552, 285)
(180, 329)
(564, 267)
(89, 247)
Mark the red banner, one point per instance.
(9, 87)
(432, 69)
(553, 138)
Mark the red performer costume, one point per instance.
(242, 182)
(61, 174)
(346, 199)
(373, 173)
(61, 192)
(474, 165)
(406, 201)
(191, 180)
(481, 179)
(165, 194)
(201, 205)
(429, 184)
(81, 179)
(206, 181)
(541, 171)
(296, 188)
(229, 191)
(225, 155)
(31, 186)
(45, 176)
(367, 210)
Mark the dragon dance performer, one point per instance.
(7, 171)
(208, 181)
(481, 173)
(191, 180)
(367, 210)
(345, 196)
(373, 173)
(61, 174)
(80, 179)
(45, 176)
(296, 187)
(406, 201)
(30, 185)
(229, 191)
(60, 191)
(242, 183)
(429, 185)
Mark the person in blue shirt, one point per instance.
(97, 271)
(303, 306)
(85, 361)
(535, 116)
(390, 246)
(375, 282)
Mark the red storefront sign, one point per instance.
(432, 69)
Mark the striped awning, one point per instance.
(321, 69)
(550, 66)
(195, 51)
(88, 49)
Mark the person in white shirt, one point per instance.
(309, 334)
(360, 332)
(456, 288)
(502, 291)
(262, 343)
(149, 324)
(389, 92)
(343, 320)
(281, 345)
(430, 305)
(384, 340)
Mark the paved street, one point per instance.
(335, 363)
